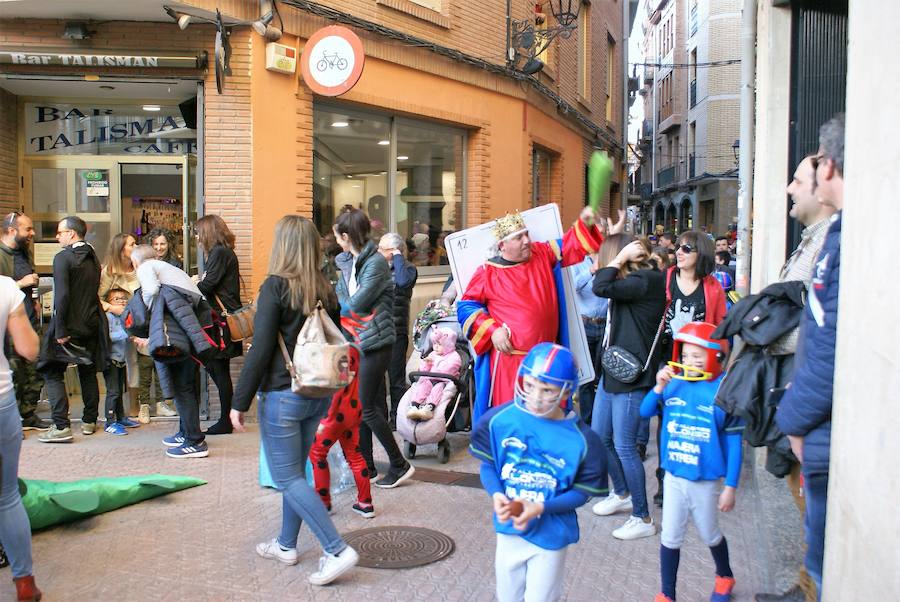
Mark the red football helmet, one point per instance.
(700, 334)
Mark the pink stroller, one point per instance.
(455, 388)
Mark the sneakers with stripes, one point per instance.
(175, 440)
(187, 450)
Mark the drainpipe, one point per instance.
(745, 166)
(626, 32)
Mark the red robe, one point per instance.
(523, 297)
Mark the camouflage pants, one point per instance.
(147, 377)
(27, 384)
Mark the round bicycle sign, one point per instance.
(332, 61)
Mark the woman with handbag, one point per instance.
(287, 421)
(636, 291)
(366, 292)
(220, 283)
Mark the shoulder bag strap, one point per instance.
(659, 330)
(288, 362)
(219, 303)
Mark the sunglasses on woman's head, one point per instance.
(686, 248)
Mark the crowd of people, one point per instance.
(653, 314)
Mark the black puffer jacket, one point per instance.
(404, 274)
(371, 307)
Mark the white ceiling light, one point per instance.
(384, 142)
(339, 124)
(402, 158)
(151, 107)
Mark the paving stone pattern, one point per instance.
(199, 544)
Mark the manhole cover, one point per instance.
(399, 547)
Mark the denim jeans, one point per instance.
(617, 419)
(288, 423)
(115, 387)
(15, 530)
(59, 400)
(814, 524)
(182, 375)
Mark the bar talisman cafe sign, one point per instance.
(167, 60)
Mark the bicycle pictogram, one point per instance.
(331, 61)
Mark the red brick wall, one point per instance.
(9, 157)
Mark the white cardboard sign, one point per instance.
(468, 249)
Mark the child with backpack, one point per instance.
(539, 463)
(699, 445)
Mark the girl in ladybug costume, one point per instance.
(341, 425)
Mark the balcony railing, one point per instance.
(693, 93)
(693, 19)
(665, 177)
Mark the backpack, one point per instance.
(321, 363)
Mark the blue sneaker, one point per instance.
(115, 429)
(129, 423)
(176, 440)
(200, 450)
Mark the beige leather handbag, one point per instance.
(321, 363)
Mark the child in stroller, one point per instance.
(449, 391)
(427, 391)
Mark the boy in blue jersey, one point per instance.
(543, 460)
(699, 445)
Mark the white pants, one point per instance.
(528, 572)
(685, 499)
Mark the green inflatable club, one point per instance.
(600, 171)
(48, 503)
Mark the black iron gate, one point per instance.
(818, 79)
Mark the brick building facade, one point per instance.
(691, 101)
(435, 73)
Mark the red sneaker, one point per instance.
(722, 589)
(662, 598)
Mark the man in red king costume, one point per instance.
(515, 301)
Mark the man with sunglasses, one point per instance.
(15, 262)
(77, 334)
(804, 413)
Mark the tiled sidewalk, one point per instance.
(199, 544)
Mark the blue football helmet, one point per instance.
(552, 364)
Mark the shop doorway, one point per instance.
(112, 194)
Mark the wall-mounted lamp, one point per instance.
(263, 26)
(736, 149)
(76, 31)
(529, 38)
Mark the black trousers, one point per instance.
(59, 400)
(397, 373)
(220, 372)
(186, 401)
(115, 388)
(372, 367)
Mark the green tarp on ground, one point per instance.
(50, 503)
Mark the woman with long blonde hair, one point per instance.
(287, 421)
(636, 290)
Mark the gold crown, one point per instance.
(508, 224)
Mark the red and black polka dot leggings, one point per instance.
(341, 425)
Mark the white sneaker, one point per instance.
(635, 528)
(144, 414)
(331, 567)
(272, 549)
(163, 409)
(612, 504)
